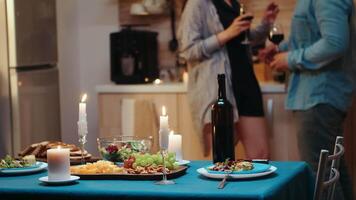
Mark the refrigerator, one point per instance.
(29, 83)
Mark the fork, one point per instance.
(223, 182)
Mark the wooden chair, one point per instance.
(326, 188)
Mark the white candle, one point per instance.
(175, 145)
(83, 108)
(58, 164)
(163, 129)
(82, 122)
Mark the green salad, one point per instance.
(115, 153)
(10, 162)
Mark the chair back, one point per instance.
(325, 188)
(339, 151)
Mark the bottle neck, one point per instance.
(222, 89)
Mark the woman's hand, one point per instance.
(271, 13)
(238, 26)
(268, 53)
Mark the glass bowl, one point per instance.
(120, 148)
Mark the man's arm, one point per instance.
(333, 20)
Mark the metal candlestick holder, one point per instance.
(82, 141)
(82, 133)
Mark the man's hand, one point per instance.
(280, 62)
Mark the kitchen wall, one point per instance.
(83, 37)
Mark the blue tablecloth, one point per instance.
(292, 180)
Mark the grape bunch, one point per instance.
(153, 160)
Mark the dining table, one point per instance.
(293, 180)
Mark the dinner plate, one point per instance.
(182, 162)
(257, 168)
(58, 182)
(205, 173)
(39, 166)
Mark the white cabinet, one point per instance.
(282, 128)
(179, 118)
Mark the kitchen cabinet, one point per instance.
(282, 134)
(110, 110)
(282, 128)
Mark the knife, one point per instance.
(263, 161)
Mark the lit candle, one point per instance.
(82, 122)
(58, 164)
(163, 129)
(83, 108)
(175, 145)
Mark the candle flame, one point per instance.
(171, 133)
(164, 111)
(58, 147)
(84, 98)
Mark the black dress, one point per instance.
(246, 89)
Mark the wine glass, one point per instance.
(276, 36)
(163, 143)
(243, 10)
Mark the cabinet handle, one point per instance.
(270, 113)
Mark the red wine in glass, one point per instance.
(276, 38)
(276, 35)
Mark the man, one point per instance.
(318, 55)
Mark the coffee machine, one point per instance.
(134, 56)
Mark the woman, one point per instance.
(211, 33)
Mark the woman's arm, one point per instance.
(193, 45)
(260, 33)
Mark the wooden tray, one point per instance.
(172, 175)
(75, 162)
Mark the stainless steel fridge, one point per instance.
(29, 83)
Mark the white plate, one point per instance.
(182, 162)
(40, 166)
(205, 173)
(58, 182)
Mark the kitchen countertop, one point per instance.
(266, 87)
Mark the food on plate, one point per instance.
(232, 166)
(99, 167)
(10, 162)
(118, 152)
(30, 159)
(152, 160)
(137, 163)
(39, 150)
